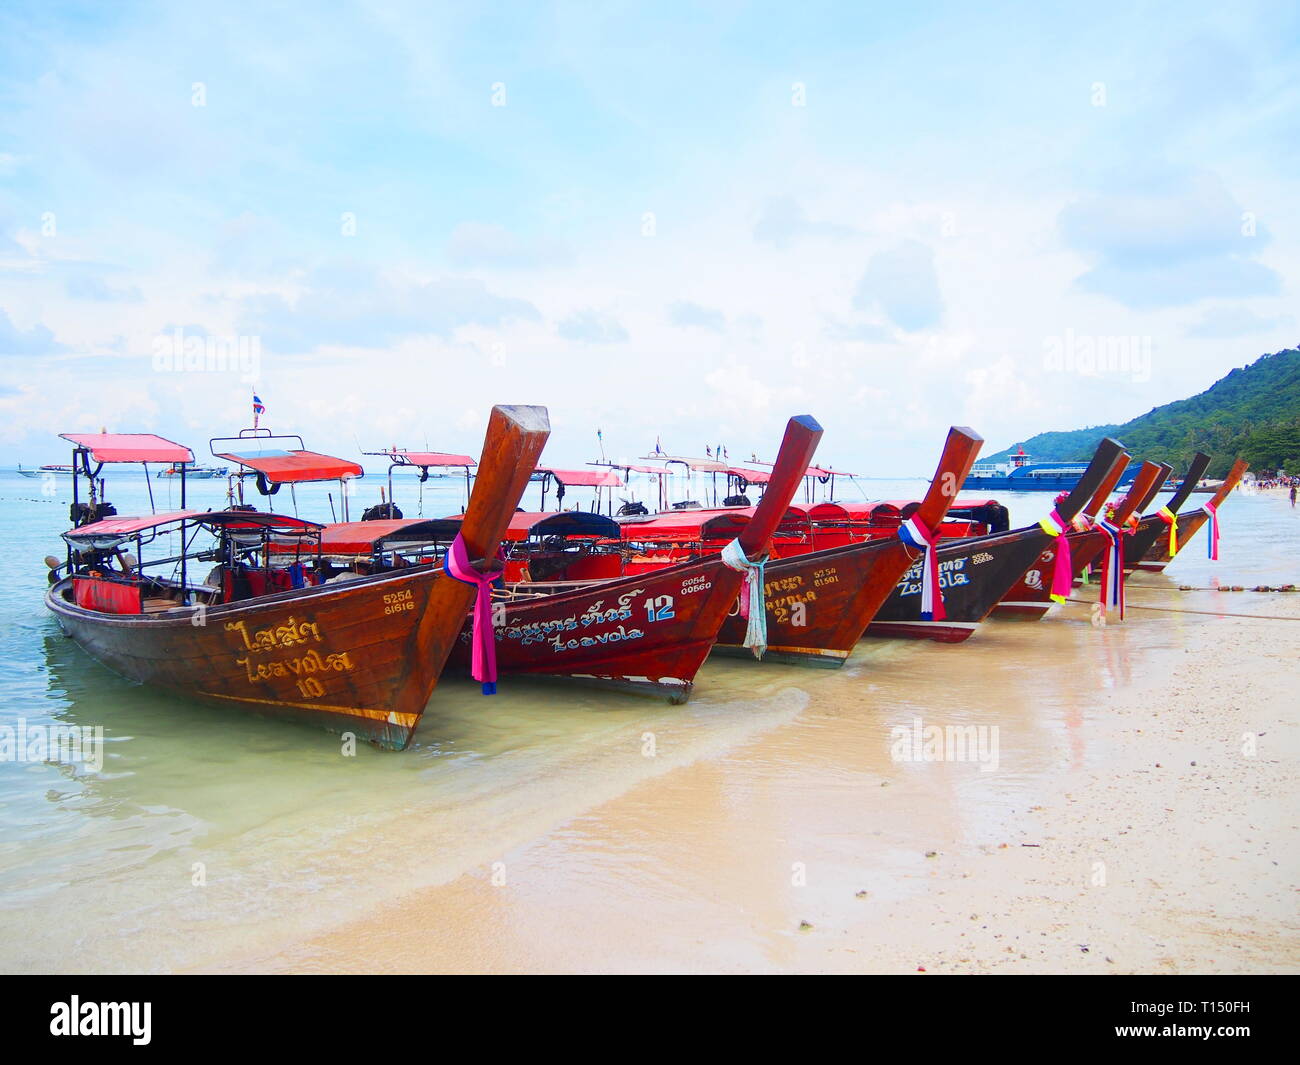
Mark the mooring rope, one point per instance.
(1207, 613)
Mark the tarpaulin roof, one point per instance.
(123, 527)
(700, 465)
(562, 523)
(283, 467)
(428, 458)
(584, 478)
(104, 532)
(752, 476)
(687, 526)
(631, 468)
(363, 537)
(257, 519)
(130, 447)
(852, 511)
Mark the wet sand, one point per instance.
(1141, 818)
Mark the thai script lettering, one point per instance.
(275, 637)
(312, 662)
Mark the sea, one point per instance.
(208, 832)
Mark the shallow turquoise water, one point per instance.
(100, 870)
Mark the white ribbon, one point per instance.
(753, 604)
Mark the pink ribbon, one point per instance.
(1063, 574)
(483, 664)
(1212, 544)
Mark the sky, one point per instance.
(672, 222)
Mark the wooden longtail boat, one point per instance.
(1158, 555)
(1087, 546)
(360, 655)
(1151, 525)
(976, 572)
(819, 603)
(646, 632)
(1030, 597)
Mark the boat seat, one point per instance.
(157, 606)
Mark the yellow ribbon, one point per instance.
(1171, 519)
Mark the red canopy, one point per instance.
(853, 511)
(363, 537)
(430, 458)
(128, 526)
(130, 447)
(752, 476)
(584, 478)
(688, 526)
(282, 467)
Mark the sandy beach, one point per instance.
(1141, 818)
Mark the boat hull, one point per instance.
(1157, 556)
(820, 603)
(338, 656)
(1029, 599)
(1147, 535)
(974, 573)
(646, 633)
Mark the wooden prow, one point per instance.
(959, 453)
(1148, 474)
(513, 444)
(1200, 462)
(1162, 477)
(1107, 486)
(1107, 452)
(1237, 472)
(802, 434)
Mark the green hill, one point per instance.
(1254, 412)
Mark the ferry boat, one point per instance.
(199, 473)
(1020, 474)
(47, 471)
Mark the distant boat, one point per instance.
(1021, 475)
(62, 471)
(202, 473)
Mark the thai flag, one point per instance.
(258, 408)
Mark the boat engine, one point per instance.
(382, 512)
(84, 513)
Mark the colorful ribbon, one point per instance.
(1171, 519)
(483, 665)
(753, 605)
(916, 535)
(1212, 545)
(1063, 574)
(1112, 574)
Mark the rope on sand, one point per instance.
(1207, 613)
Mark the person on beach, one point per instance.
(1293, 495)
